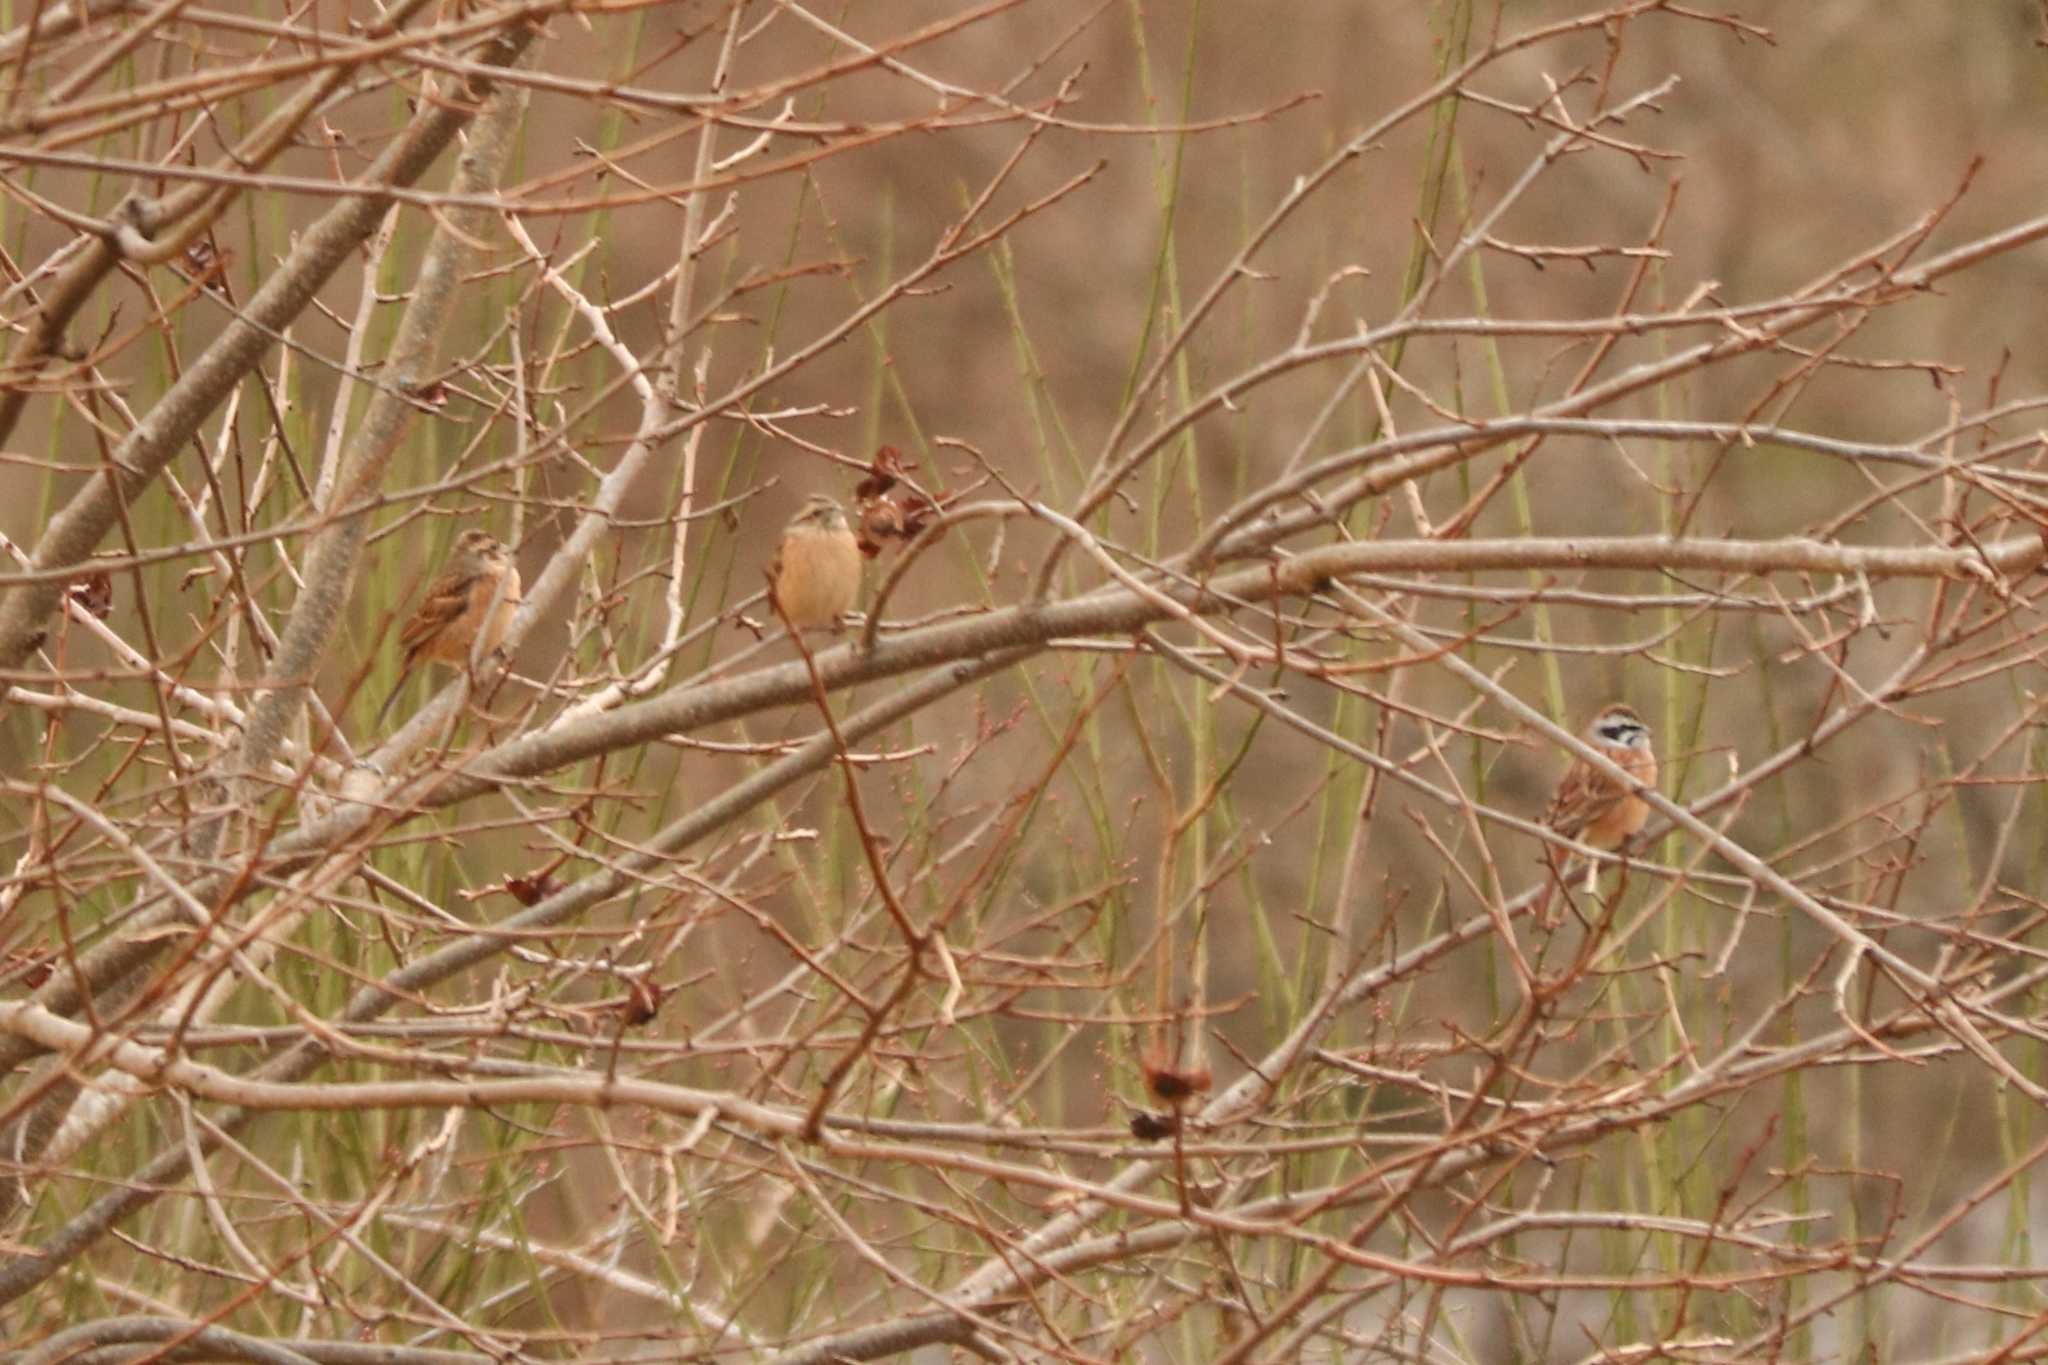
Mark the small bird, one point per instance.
(1594, 807)
(815, 574)
(476, 594)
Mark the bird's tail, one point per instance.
(391, 696)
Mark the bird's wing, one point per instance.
(445, 601)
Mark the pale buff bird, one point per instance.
(815, 575)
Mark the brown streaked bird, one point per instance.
(477, 594)
(1595, 807)
(815, 574)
